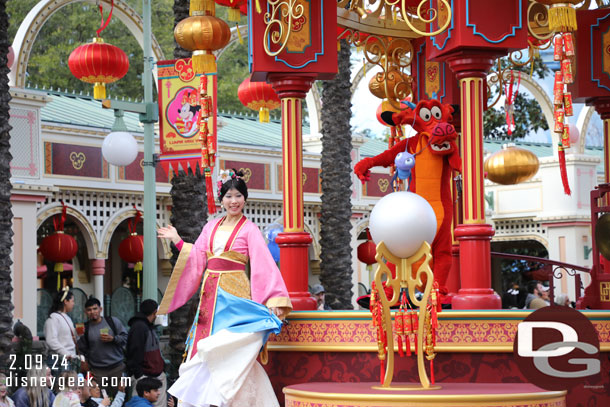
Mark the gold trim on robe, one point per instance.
(173, 281)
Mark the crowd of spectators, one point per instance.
(108, 365)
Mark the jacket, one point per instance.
(138, 401)
(143, 352)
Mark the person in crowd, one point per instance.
(143, 353)
(103, 345)
(149, 392)
(318, 294)
(92, 396)
(37, 392)
(512, 297)
(59, 331)
(543, 298)
(98, 395)
(534, 288)
(69, 390)
(225, 340)
(5, 400)
(562, 299)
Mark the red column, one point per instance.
(294, 242)
(602, 107)
(474, 235)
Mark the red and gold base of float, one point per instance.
(474, 350)
(446, 395)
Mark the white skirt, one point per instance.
(225, 373)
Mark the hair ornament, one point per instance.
(66, 290)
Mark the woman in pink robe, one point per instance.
(235, 315)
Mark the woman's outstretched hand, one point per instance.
(169, 232)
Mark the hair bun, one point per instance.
(239, 173)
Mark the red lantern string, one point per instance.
(510, 102)
(104, 24)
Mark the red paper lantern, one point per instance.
(59, 248)
(131, 248)
(258, 96)
(98, 63)
(367, 250)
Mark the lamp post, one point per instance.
(149, 115)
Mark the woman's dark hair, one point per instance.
(58, 303)
(237, 182)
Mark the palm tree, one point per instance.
(6, 215)
(335, 236)
(189, 215)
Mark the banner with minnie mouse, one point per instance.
(183, 112)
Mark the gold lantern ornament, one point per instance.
(511, 165)
(562, 14)
(202, 33)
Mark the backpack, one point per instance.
(110, 323)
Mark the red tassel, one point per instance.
(209, 189)
(563, 170)
(408, 345)
(400, 351)
(432, 371)
(382, 371)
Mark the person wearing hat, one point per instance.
(317, 292)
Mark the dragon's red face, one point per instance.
(431, 119)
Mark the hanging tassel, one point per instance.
(241, 40)
(234, 15)
(563, 170)
(363, 67)
(59, 267)
(197, 7)
(400, 351)
(204, 62)
(431, 371)
(99, 91)
(138, 276)
(381, 372)
(562, 17)
(258, 7)
(209, 189)
(263, 115)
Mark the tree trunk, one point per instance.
(6, 215)
(335, 236)
(181, 11)
(189, 215)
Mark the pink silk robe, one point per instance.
(266, 284)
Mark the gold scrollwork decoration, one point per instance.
(538, 21)
(516, 60)
(396, 11)
(277, 31)
(393, 56)
(77, 159)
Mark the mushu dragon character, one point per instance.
(436, 156)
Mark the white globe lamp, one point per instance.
(403, 221)
(119, 148)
